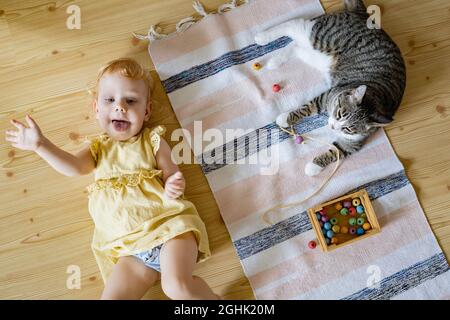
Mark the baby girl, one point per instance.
(145, 229)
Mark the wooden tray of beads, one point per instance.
(358, 207)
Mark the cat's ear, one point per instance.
(358, 94)
(377, 119)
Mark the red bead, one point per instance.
(276, 88)
(312, 244)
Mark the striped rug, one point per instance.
(207, 73)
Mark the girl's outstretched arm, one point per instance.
(31, 138)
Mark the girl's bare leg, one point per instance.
(178, 258)
(129, 280)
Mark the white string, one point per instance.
(185, 23)
(154, 33)
(199, 8)
(282, 206)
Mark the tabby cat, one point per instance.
(365, 70)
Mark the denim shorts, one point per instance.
(151, 258)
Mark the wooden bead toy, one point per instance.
(352, 211)
(312, 244)
(366, 226)
(257, 66)
(344, 220)
(298, 139)
(276, 87)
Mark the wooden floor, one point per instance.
(45, 69)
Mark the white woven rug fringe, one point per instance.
(155, 32)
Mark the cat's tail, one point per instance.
(355, 6)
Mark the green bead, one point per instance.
(352, 221)
(360, 221)
(344, 211)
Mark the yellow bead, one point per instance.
(256, 66)
(366, 226)
(356, 202)
(336, 228)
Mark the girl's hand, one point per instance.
(25, 138)
(175, 185)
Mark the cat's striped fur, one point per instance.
(366, 74)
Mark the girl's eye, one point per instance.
(130, 101)
(110, 100)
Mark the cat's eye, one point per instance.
(338, 114)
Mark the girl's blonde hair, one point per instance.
(126, 67)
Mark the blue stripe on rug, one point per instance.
(225, 61)
(405, 279)
(299, 223)
(253, 142)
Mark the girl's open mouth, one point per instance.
(121, 125)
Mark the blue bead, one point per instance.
(330, 234)
(360, 209)
(359, 231)
(318, 216)
(327, 226)
(324, 231)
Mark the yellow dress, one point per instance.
(126, 201)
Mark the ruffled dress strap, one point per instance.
(94, 145)
(155, 137)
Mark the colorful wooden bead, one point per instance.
(318, 216)
(336, 228)
(324, 231)
(360, 231)
(344, 229)
(298, 139)
(366, 226)
(352, 211)
(276, 87)
(351, 230)
(333, 221)
(352, 221)
(360, 221)
(334, 240)
(356, 202)
(330, 234)
(327, 240)
(257, 66)
(312, 244)
(338, 206)
(325, 218)
(321, 224)
(347, 204)
(327, 226)
(360, 209)
(323, 212)
(344, 211)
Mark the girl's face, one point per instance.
(121, 106)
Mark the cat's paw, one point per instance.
(282, 120)
(312, 169)
(262, 39)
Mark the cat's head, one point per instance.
(354, 112)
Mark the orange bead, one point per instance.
(256, 66)
(334, 240)
(338, 206)
(344, 229)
